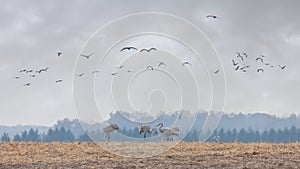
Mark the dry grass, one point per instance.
(183, 155)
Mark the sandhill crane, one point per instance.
(144, 129)
(237, 68)
(261, 59)
(239, 55)
(162, 64)
(79, 75)
(108, 129)
(212, 16)
(128, 48)
(260, 70)
(234, 64)
(87, 56)
(282, 67)
(186, 63)
(217, 71)
(149, 68)
(168, 132)
(120, 67)
(245, 54)
(147, 50)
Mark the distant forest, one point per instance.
(286, 135)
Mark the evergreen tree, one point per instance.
(5, 137)
(17, 138)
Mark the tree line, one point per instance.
(285, 135)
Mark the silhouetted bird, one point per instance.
(245, 67)
(217, 71)
(96, 71)
(128, 48)
(239, 56)
(212, 16)
(86, 56)
(42, 70)
(120, 67)
(237, 68)
(161, 64)
(80, 75)
(245, 54)
(234, 64)
(27, 84)
(150, 67)
(59, 53)
(282, 67)
(113, 74)
(58, 81)
(24, 70)
(260, 70)
(186, 63)
(261, 59)
(148, 50)
(17, 77)
(32, 75)
(29, 71)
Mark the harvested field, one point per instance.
(183, 155)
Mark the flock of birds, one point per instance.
(167, 132)
(239, 65)
(260, 61)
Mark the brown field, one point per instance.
(183, 155)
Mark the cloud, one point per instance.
(33, 31)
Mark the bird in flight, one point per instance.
(23, 70)
(217, 71)
(29, 71)
(261, 59)
(113, 74)
(212, 16)
(17, 77)
(128, 48)
(96, 71)
(260, 70)
(27, 84)
(87, 56)
(43, 70)
(129, 71)
(148, 50)
(161, 64)
(186, 63)
(282, 67)
(150, 67)
(245, 54)
(59, 53)
(32, 76)
(80, 75)
(237, 68)
(234, 64)
(239, 55)
(120, 67)
(58, 81)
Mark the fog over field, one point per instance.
(32, 32)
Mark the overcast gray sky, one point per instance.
(33, 31)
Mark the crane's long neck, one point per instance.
(160, 126)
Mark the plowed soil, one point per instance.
(183, 155)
